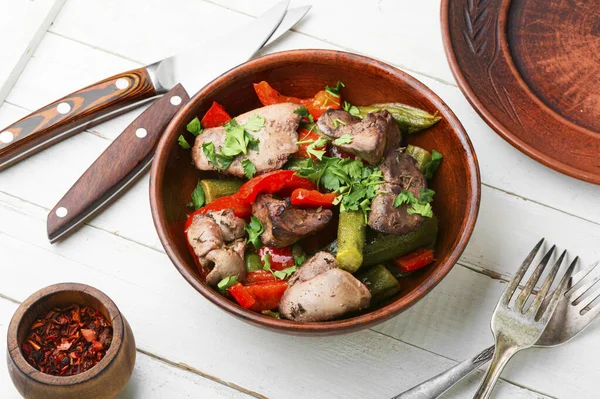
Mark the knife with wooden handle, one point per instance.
(118, 94)
(112, 172)
(130, 154)
(76, 112)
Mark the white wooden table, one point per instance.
(189, 348)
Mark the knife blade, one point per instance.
(123, 162)
(120, 93)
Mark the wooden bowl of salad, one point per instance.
(314, 192)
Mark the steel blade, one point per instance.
(292, 17)
(195, 67)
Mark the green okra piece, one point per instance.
(410, 119)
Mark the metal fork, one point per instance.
(518, 327)
(566, 322)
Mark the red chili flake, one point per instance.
(67, 341)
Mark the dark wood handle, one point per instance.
(117, 167)
(72, 114)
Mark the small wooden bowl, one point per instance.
(302, 73)
(103, 381)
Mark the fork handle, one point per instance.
(505, 350)
(436, 386)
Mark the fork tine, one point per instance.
(587, 301)
(528, 289)
(514, 283)
(558, 293)
(539, 298)
(592, 313)
(573, 296)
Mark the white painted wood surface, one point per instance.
(23, 24)
(119, 252)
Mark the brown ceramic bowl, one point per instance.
(103, 381)
(302, 73)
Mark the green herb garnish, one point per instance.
(238, 140)
(267, 262)
(285, 273)
(351, 109)
(337, 122)
(195, 127)
(419, 206)
(254, 230)
(303, 112)
(198, 198)
(424, 210)
(344, 139)
(335, 91)
(299, 259)
(183, 142)
(249, 168)
(357, 184)
(432, 166)
(312, 148)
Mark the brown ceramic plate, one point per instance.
(302, 73)
(531, 69)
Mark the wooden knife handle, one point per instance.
(72, 114)
(118, 166)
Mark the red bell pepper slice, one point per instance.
(267, 294)
(258, 276)
(270, 183)
(242, 295)
(240, 209)
(323, 101)
(267, 95)
(312, 198)
(215, 116)
(317, 105)
(280, 258)
(306, 135)
(414, 260)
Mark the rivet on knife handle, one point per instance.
(118, 166)
(72, 114)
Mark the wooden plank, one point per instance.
(158, 303)
(23, 24)
(151, 378)
(387, 29)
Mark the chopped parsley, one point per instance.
(267, 262)
(195, 127)
(337, 122)
(198, 199)
(357, 184)
(351, 109)
(344, 139)
(312, 148)
(303, 112)
(226, 283)
(254, 230)
(424, 210)
(183, 142)
(420, 206)
(285, 273)
(432, 166)
(238, 140)
(299, 259)
(209, 151)
(404, 198)
(249, 168)
(335, 91)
